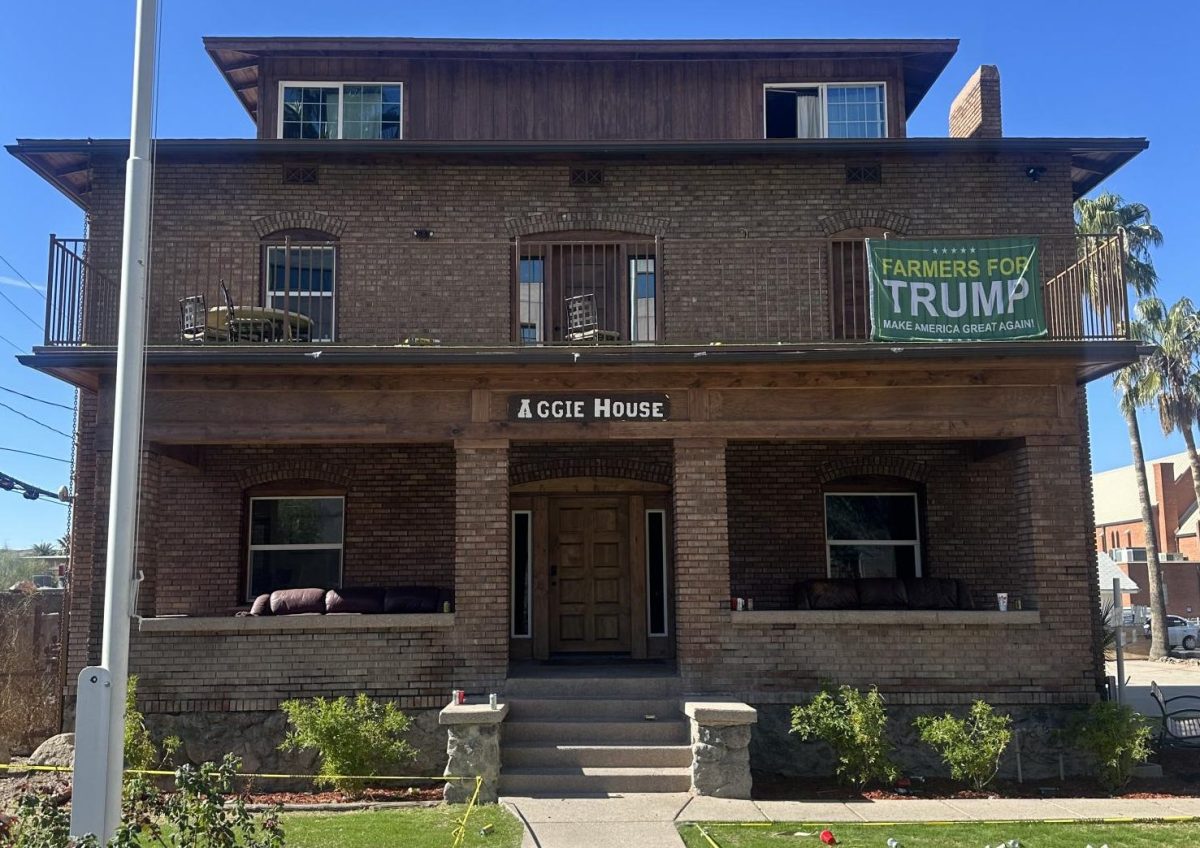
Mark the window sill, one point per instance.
(882, 617)
(289, 623)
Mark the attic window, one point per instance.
(301, 174)
(587, 177)
(824, 110)
(340, 110)
(864, 174)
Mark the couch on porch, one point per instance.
(391, 600)
(885, 593)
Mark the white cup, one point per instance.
(1002, 601)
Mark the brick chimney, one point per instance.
(975, 112)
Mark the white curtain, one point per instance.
(808, 114)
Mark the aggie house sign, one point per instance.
(640, 407)
(969, 290)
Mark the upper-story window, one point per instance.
(827, 110)
(340, 110)
(300, 281)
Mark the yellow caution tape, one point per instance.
(712, 842)
(166, 773)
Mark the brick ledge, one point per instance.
(293, 623)
(803, 618)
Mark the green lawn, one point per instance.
(968, 834)
(413, 827)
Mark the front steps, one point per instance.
(581, 731)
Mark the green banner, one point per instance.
(963, 290)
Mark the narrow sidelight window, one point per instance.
(827, 110)
(656, 572)
(872, 534)
(295, 543)
(340, 110)
(522, 570)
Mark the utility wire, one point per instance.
(15, 346)
(13, 304)
(38, 291)
(31, 492)
(35, 421)
(38, 455)
(39, 400)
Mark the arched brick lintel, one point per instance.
(852, 219)
(294, 469)
(624, 468)
(874, 466)
(623, 222)
(304, 220)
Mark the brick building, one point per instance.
(576, 336)
(1120, 532)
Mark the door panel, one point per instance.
(589, 575)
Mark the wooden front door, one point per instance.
(589, 575)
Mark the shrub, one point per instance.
(854, 725)
(359, 737)
(198, 813)
(1116, 737)
(970, 746)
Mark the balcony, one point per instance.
(594, 289)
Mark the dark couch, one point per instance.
(886, 593)
(364, 601)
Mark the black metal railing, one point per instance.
(534, 291)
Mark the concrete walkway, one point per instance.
(648, 821)
(1173, 678)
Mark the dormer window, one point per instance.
(340, 110)
(827, 110)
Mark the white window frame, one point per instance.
(895, 543)
(340, 547)
(331, 294)
(666, 574)
(823, 94)
(512, 622)
(340, 85)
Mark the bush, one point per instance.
(140, 751)
(359, 737)
(1116, 737)
(970, 746)
(198, 813)
(854, 725)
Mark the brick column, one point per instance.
(701, 557)
(481, 568)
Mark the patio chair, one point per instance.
(583, 325)
(1180, 724)
(193, 319)
(246, 327)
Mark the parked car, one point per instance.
(1180, 632)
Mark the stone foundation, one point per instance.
(721, 735)
(774, 750)
(255, 738)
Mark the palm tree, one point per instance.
(44, 549)
(1173, 369)
(1109, 213)
(1130, 384)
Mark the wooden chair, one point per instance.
(583, 325)
(193, 319)
(1180, 724)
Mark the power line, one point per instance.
(39, 400)
(15, 347)
(38, 455)
(31, 492)
(13, 304)
(35, 421)
(39, 292)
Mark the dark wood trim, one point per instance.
(638, 630)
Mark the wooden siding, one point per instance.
(479, 100)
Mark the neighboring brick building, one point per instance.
(357, 316)
(1120, 531)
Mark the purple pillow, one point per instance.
(297, 601)
(368, 601)
(261, 605)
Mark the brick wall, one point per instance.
(744, 252)
(399, 519)
(647, 461)
(777, 513)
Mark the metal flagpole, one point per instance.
(100, 707)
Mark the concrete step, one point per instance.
(542, 732)
(594, 709)
(597, 756)
(592, 686)
(585, 780)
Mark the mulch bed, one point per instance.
(373, 796)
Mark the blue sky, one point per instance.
(1101, 69)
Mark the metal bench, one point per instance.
(1180, 724)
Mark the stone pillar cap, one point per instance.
(472, 714)
(720, 713)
